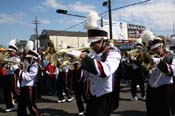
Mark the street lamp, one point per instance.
(62, 11)
(108, 3)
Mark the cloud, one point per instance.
(44, 21)
(157, 15)
(39, 8)
(47, 4)
(54, 4)
(68, 24)
(11, 18)
(83, 8)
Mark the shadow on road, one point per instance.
(125, 99)
(44, 100)
(2, 110)
(131, 113)
(55, 112)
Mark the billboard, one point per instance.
(134, 31)
(119, 30)
(123, 30)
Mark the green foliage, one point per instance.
(1, 46)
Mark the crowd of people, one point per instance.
(152, 64)
(94, 80)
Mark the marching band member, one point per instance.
(159, 87)
(78, 88)
(50, 84)
(137, 73)
(100, 71)
(173, 89)
(28, 77)
(62, 83)
(10, 82)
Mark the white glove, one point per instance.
(75, 53)
(47, 72)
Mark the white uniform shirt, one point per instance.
(157, 78)
(103, 85)
(13, 67)
(173, 65)
(29, 77)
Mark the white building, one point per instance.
(62, 39)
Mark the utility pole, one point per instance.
(36, 22)
(108, 3)
(110, 18)
(173, 28)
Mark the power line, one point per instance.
(126, 6)
(112, 10)
(74, 26)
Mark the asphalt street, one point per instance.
(48, 106)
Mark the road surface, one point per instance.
(48, 106)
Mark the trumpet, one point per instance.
(65, 51)
(145, 58)
(65, 59)
(9, 63)
(12, 61)
(3, 56)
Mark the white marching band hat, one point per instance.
(139, 44)
(12, 45)
(97, 34)
(30, 52)
(12, 48)
(156, 42)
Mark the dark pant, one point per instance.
(79, 96)
(27, 99)
(51, 85)
(158, 100)
(137, 79)
(99, 106)
(173, 99)
(62, 86)
(10, 90)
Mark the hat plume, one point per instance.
(12, 42)
(91, 20)
(29, 46)
(147, 36)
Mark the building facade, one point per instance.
(62, 39)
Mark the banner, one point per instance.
(123, 31)
(119, 30)
(134, 31)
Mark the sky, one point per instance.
(17, 16)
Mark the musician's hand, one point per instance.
(75, 53)
(83, 55)
(21, 65)
(168, 58)
(47, 72)
(163, 67)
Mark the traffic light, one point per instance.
(105, 3)
(61, 11)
